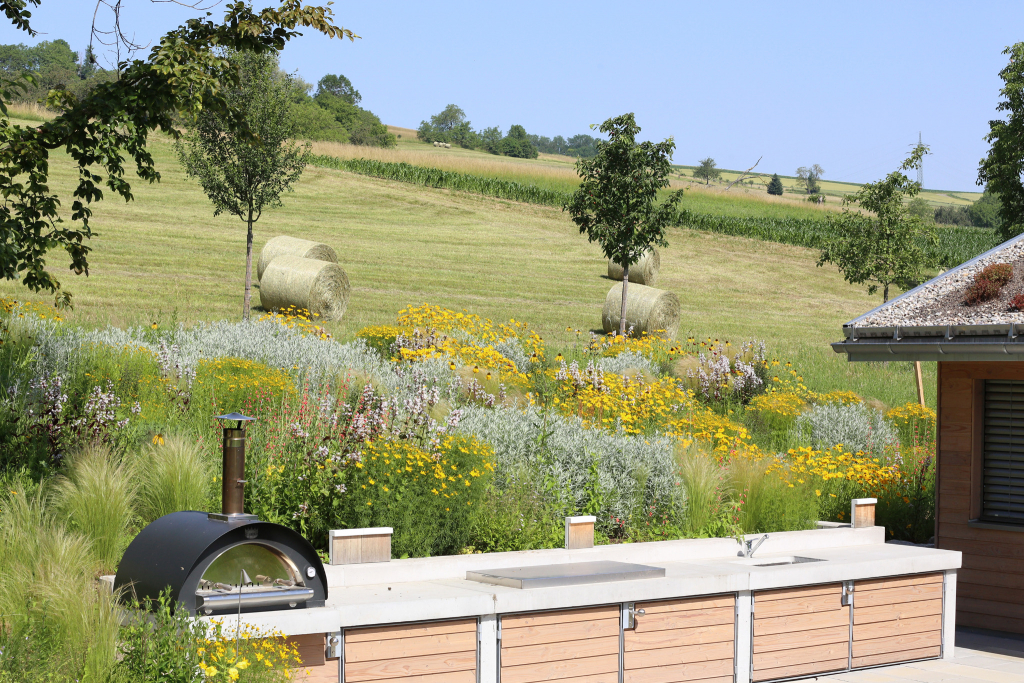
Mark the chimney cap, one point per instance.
(234, 416)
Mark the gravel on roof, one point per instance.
(940, 301)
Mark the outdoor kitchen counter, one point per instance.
(427, 589)
(453, 598)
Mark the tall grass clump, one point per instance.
(173, 475)
(97, 498)
(706, 483)
(57, 625)
(767, 502)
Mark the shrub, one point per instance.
(857, 427)
(997, 273)
(517, 516)
(161, 643)
(630, 472)
(174, 474)
(914, 422)
(381, 338)
(97, 497)
(981, 291)
(1017, 302)
(428, 498)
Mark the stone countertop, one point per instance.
(458, 597)
(409, 594)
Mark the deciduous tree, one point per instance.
(1000, 171)
(888, 247)
(615, 203)
(808, 176)
(184, 75)
(339, 86)
(241, 175)
(707, 171)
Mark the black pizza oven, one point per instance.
(223, 563)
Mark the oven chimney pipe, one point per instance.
(233, 473)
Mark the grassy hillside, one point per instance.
(165, 257)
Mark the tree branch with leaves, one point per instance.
(185, 74)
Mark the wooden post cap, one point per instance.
(862, 512)
(359, 546)
(579, 532)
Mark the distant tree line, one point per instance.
(983, 213)
(55, 65)
(451, 126)
(331, 113)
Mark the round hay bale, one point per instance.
(318, 286)
(650, 310)
(643, 272)
(283, 245)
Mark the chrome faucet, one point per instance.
(749, 551)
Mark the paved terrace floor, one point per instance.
(980, 658)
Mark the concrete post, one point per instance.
(487, 633)
(948, 614)
(744, 646)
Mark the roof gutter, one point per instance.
(933, 343)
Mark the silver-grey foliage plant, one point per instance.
(632, 471)
(857, 427)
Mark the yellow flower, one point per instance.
(158, 439)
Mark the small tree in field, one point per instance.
(885, 248)
(242, 175)
(775, 186)
(707, 171)
(615, 203)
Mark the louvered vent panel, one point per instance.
(1003, 482)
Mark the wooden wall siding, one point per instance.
(678, 641)
(897, 619)
(993, 559)
(569, 646)
(800, 631)
(324, 673)
(440, 652)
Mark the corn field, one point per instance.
(956, 244)
(449, 180)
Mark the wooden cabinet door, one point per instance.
(898, 619)
(676, 641)
(568, 646)
(438, 652)
(800, 631)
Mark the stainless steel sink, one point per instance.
(776, 561)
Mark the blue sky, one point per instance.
(844, 85)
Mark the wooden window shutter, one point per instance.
(1002, 494)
